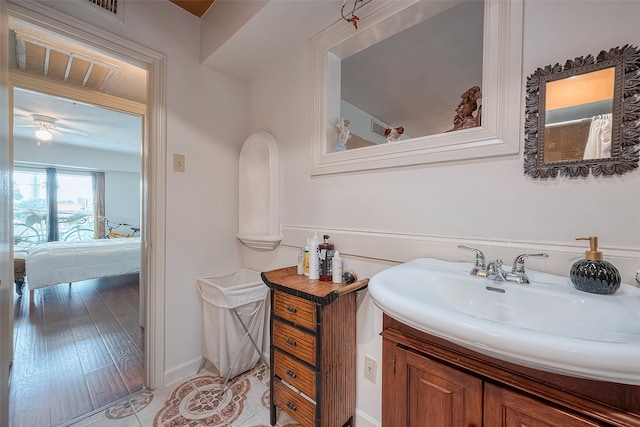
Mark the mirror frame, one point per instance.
(626, 112)
(500, 132)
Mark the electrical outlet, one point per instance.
(370, 369)
(178, 162)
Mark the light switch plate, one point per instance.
(178, 162)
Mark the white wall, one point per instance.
(427, 210)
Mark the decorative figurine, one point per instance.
(393, 134)
(464, 112)
(344, 134)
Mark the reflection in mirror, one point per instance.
(497, 80)
(578, 117)
(410, 84)
(584, 117)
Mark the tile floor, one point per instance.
(194, 402)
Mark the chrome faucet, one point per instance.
(479, 268)
(493, 270)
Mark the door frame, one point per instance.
(6, 231)
(154, 145)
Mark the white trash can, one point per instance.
(227, 301)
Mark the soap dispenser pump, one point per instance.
(593, 274)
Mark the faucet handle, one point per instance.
(518, 263)
(479, 266)
(480, 260)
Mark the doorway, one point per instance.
(78, 347)
(152, 218)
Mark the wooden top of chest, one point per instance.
(287, 280)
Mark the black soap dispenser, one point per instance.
(593, 274)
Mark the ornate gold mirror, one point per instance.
(584, 117)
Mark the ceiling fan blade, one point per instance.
(67, 130)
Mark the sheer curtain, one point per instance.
(98, 203)
(599, 139)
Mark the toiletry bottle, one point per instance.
(306, 259)
(301, 262)
(314, 271)
(593, 274)
(325, 252)
(336, 267)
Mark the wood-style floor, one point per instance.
(78, 348)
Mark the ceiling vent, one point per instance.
(378, 128)
(110, 6)
(41, 58)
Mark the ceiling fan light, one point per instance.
(43, 135)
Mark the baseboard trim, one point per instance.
(364, 420)
(183, 371)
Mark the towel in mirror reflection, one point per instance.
(599, 139)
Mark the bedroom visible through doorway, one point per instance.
(65, 190)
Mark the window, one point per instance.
(41, 196)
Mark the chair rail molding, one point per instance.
(399, 248)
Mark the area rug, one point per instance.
(200, 402)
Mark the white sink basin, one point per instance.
(547, 324)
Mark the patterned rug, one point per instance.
(200, 402)
(125, 409)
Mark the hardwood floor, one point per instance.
(78, 348)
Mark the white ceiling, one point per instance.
(273, 32)
(77, 123)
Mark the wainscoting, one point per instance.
(78, 348)
(397, 248)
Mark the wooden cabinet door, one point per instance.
(428, 393)
(505, 408)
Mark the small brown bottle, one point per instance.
(326, 250)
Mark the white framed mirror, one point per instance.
(501, 73)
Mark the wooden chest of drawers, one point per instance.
(313, 348)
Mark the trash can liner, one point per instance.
(224, 338)
(233, 290)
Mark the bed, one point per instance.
(71, 261)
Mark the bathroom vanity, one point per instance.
(428, 378)
(313, 348)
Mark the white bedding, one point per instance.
(65, 262)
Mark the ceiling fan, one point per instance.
(46, 127)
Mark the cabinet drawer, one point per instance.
(296, 310)
(294, 341)
(295, 405)
(295, 373)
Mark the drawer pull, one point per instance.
(292, 406)
(291, 373)
(292, 309)
(291, 342)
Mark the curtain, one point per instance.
(599, 139)
(53, 233)
(98, 204)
